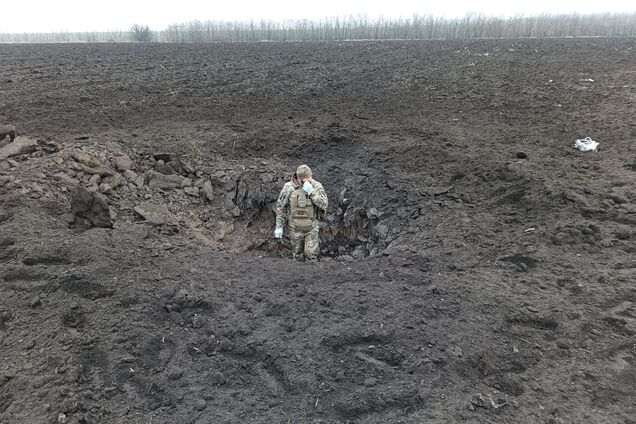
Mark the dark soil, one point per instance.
(476, 267)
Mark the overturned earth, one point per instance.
(474, 267)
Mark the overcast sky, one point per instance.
(86, 15)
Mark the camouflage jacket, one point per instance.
(318, 198)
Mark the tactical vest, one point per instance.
(302, 210)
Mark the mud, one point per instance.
(475, 267)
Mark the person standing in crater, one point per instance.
(302, 203)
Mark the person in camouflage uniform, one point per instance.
(302, 203)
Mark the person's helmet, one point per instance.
(303, 171)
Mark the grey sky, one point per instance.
(82, 15)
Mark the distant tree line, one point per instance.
(418, 27)
(67, 37)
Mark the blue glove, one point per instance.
(278, 233)
(308, 188)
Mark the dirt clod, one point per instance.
(91, 209)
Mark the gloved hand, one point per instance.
(308, 188)
(278, 233)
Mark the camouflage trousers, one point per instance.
(305, 244)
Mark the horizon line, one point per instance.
(370, 19)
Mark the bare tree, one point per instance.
(141, 33)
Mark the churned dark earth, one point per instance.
(476, 267)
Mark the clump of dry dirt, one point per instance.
(475, 267)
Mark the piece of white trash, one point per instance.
(586, 145)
